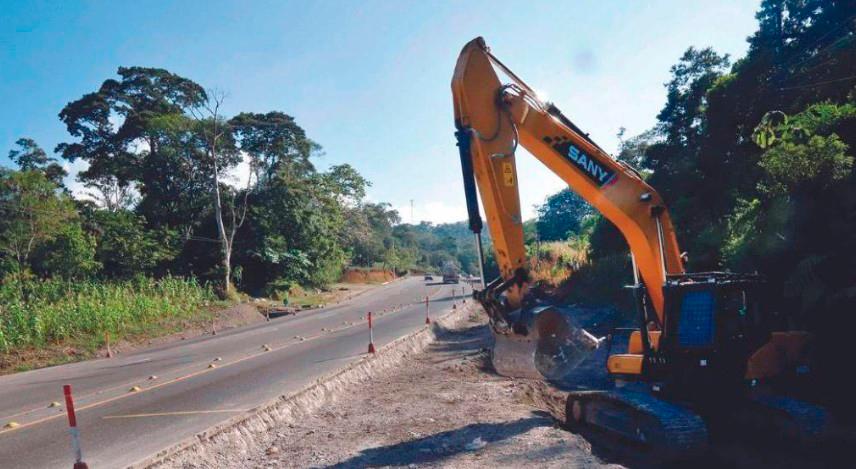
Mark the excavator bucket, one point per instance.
(514, 355)
(550, 346)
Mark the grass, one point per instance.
(80, 314)
(554, 262)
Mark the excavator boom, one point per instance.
(493, 118)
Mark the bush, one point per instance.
(70, 255)
(601, 283)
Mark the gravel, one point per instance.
(439, 407)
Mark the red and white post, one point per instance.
(75, 433)
(107, 341)
(371, 334)
(427, 312)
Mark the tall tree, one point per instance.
(221, 153)
(275, 143)
(29, 156)
(127, 132)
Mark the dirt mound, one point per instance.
(242, 313)
(367, 276)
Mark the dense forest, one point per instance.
(158, 152)
(755, 160)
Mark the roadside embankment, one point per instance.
(427, 399)
(356, 275)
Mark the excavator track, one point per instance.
(791, 418)
(672, 430)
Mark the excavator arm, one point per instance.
(492, 118)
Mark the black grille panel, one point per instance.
(696, 324)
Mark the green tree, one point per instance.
(370, 229)
(29, 156)
(69, 255)
(561, 215)
(135, 131)
(803, 153)
(32, 212)
(294, 230)
(275, 142)
(125, 248)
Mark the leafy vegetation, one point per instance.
(58, 311)
(755, 161)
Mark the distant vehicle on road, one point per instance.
(450, 273)
(429, 277)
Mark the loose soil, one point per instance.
(367, 276)
(440, 408)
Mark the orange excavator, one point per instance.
(704, 342)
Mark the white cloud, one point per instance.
(434, 211)
(76, 187)
(239, 176)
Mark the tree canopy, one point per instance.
(158, 156)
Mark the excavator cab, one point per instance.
(713, 323)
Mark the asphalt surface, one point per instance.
(188, 386)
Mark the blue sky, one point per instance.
(369, 81)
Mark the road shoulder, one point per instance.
(436, 405)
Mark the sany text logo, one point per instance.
(592, 168)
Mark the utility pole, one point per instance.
(412, 220)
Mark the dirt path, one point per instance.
(440, 409)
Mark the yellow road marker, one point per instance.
(12, 425)
(135, 389)
(54, 404)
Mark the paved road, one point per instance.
(119, 427)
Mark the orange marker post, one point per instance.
(371, 334)
(427, 312)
